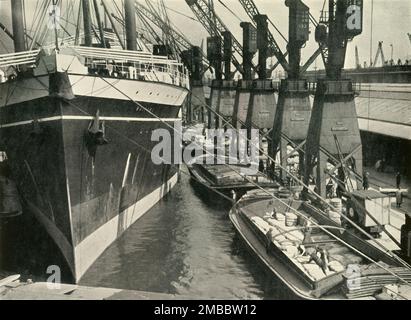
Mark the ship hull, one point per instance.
(82, 192)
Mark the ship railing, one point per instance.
(136, 71)
(118, 54)
(134, 65)
(18, 58)
(312, 87)
(353, 87)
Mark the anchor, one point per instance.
(97, 130)
(95, 135)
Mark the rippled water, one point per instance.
(184, 245)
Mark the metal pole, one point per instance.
(100, 25)
(18, 25)
(87, 23)
(112, 22)
(130, 21)
(371, 37)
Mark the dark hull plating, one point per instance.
(82, 195)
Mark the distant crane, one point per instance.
(357, 58)
(380, 52)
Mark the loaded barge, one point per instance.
(214, 174)
(313, 255)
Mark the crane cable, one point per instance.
(231, 11)
(182, 14)
(276, 29)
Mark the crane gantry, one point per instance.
(215, 27)
(274, 49)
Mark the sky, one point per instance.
(391, 23)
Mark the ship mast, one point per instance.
(18, 25)
(87, 23)
(130, 25)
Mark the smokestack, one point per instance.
(18, 25)
(87, 23)
(130, 20)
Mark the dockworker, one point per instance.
(233, 195)
(269, 237)
(378, 165)
(365, 181)
(383, 164)
(398, 179)
(261, 166)
(398, 196)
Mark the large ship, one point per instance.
(76, 126)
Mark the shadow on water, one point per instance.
(184, 245)
(27, 249)
(209, 198)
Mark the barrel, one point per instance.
(336, 203)
(279, 216)
(291, 219)
(336, 210)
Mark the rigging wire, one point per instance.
(39, 34)
(182, 14)
(26, 40)
(35, 17)
(78, 26)
(4, 46)
(149, 30)
(231, 11)
(276, 29)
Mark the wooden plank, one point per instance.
(9, 280)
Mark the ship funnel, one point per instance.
(130, 23)
(18, 25)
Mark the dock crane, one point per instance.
(273, 47)
(380, 52)
(293, 108)
(215, 27)
(357, 58)
(334, 112)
